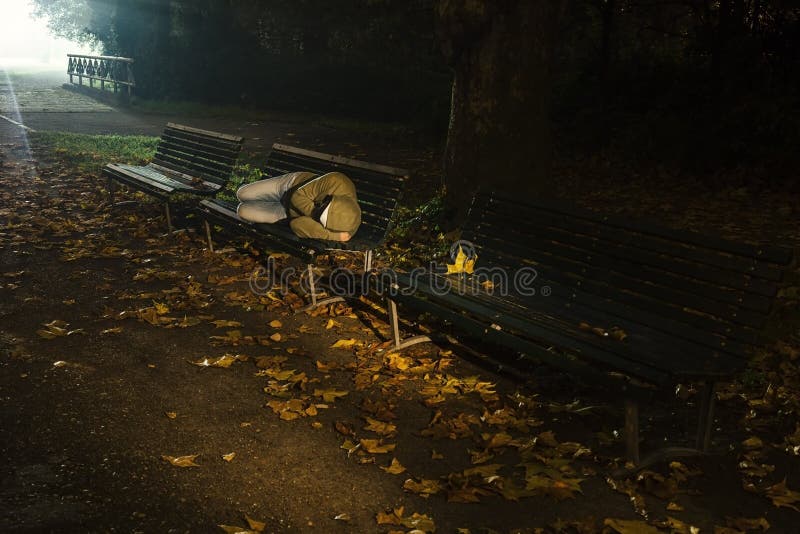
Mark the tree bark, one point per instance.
(498, 136)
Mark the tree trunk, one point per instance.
(498, 134)
(607, 11)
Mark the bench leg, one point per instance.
(111, 192)
(632, 431)
(208, 235)
(394, 321)
(311, 285)
(169, 219)
(367, 261)
(705, 421)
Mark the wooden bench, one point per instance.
(629, 305)
(378, 187)
(187, 160)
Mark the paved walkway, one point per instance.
(37, 100)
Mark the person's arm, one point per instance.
(332, 183)
(308, 227)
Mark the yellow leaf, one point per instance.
(222, 323)
(419, 522)
(753, 442)
(330, 324)
(329, 395)
(275, 324)
(230, 529)
(229, 457)
(631, 526)
(379, 427)
(115, 330)
(394, 468)
(258, 526)
(161, 309)
(344, 344)
(384, 518)
(276, 337)
(781, 495)
(182, 461)
(171, 415)
(745, 524)
(424, 487)
(462, 263)
(375, 446)
(224, 361)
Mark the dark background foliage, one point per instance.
(699, 84)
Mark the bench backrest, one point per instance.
(689, 286)
(378, 187)
(204, 154)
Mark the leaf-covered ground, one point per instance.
(146, 388)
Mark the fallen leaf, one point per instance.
(344, 344)
(182, 461)
(781, 495)
(375, 446)
(394, 468)
(258, 526)
(631, 526)
(330, 395)
(229, 457)
(275, 324)
(423, 488)
(379, 427)
(419, 522)
(115, 330)
(224, 361)
(171, 415)
(462, 263)
(222, 323)
(745, 524)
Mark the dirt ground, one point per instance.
(103, 323)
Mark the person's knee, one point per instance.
(242, 193)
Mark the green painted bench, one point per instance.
(188, 160)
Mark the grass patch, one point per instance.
(89, 153)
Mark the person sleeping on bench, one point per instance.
(319, 206)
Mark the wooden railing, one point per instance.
(117, 71)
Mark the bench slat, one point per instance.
(190, 130)
(379, 182)
(779, 255)
(622, 275)
(193, 166)
(369, 191)
(633, 306)
(575, 305)
(542, 331)
(678, 257)
(223, 154)
(736, 289)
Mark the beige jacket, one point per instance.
(309, 191)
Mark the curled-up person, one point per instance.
(318, 206)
